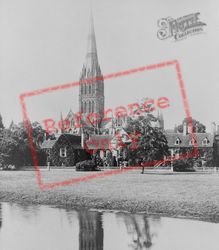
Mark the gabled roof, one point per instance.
(75, 141)
(186, 139)
(168, 131)
(70, 115)
(48, 144)
(104, 142)
(96, 142)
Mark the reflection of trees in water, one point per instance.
(27, 212)
(139, 228)
(91, 231)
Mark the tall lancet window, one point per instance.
(93, 88)
(92, 106)
(85, 107)
(88, 106)
(89, 88)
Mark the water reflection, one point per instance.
(91, 231)
(46, 228)
(141, 234)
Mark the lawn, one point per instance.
(191, 195)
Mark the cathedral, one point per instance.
(96, 134)
(91, 96)
(72, 140)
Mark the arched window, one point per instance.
(89, 88)
(89, 106)
(178, 141)
(87, 110)
(93, 88)
(92, 106)
(205, 141)
(63, 152)
(85, 107)
(192, 141)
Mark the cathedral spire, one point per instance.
(91, 67)
(91, 95)
(91, 48)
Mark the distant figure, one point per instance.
(114, 161)
(120, 165)
(142, 165)
(48, 165)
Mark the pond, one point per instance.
(47, 228)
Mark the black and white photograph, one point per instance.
(109, 130)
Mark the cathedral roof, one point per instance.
(74, 140)
(96, 142)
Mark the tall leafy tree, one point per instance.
(150, 144)
(15, 146)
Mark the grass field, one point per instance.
(189, 195)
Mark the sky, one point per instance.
(43, 43)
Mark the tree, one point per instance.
(150, 144)
(1, 123)
(15, 145)
(8, 148)
(197, 126)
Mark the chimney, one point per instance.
(213, 128)
(185, 128)
(217, 132)
(82, 138)
(190, 128)
(44, 136)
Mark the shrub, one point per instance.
(87, 165)
(183, 165)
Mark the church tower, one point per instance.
(91, 94)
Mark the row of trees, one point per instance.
(151, 144)
(15, 146)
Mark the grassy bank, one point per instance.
(187, 195)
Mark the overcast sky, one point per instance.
(43, 43)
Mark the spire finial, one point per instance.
(91, 64)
